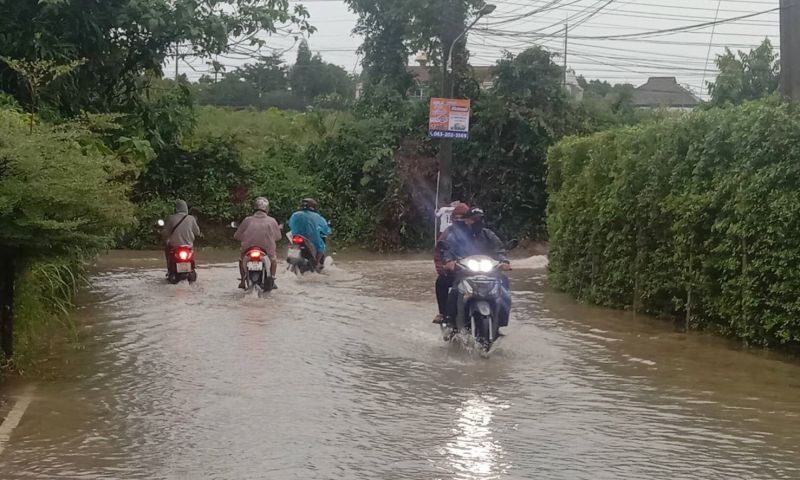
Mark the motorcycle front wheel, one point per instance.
(485, 332)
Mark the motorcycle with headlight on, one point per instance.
(481, 301)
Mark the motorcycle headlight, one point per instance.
(486, 266)
(474, 265)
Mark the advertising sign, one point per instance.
(449, 118)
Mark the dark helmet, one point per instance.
(475, 212)
(309, 204)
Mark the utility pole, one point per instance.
(177, 60)
(790, 49)
(566, 50)
(445, 157)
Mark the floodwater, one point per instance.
(343, 376)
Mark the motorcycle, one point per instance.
(301, 255)
(180, 262)
(480, 302)
(258, 274)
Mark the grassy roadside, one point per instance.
(45, 298)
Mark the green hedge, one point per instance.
(695, 217)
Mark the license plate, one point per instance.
(294, 253)
(255, 266)
(184, 267)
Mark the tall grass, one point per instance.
(45, 298)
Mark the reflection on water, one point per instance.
(475, 454)
(343, 376)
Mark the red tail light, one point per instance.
(298, 240)
(254, 254)
(183, 254)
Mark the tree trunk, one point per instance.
(7, 280)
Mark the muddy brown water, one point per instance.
(343, 377)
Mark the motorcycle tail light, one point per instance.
(255, 254)
(183, 254)
(298, 240)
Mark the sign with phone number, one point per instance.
(449, 118)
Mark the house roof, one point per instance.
(663, 92)
(423, 74)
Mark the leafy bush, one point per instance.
(61, 197)
(697, 216)
(58, 189)
(207, 177)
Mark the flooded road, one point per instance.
(344, 377)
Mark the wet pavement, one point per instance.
(342, 376)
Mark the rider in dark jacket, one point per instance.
(471, 237)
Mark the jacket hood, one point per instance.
(181, 207)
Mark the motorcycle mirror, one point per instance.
(160, 223)
(512, 244)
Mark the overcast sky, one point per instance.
(519, 24)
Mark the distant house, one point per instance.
(664, 92)
(573, 86)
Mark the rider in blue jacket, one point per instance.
(312, 226)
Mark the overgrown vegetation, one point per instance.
(63, 195)
(89, 76)
(694, 217)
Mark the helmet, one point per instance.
(309, 204)
(460, 209)
(262, 204)
(475, 212)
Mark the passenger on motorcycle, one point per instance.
(471, 237)
(179, 230)
(261, 231)
(312, 226)
(445, 279)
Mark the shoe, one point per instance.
(242, 285)
(438, 319)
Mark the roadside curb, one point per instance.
(15, 414)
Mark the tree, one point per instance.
(269, 74)
(123, 39)
(312, 77)
(385, 27)
(746, 76)
(393, 30)
(39, 74)
(301, 71)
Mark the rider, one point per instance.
(179, 230)
(444, 281)
(471, 237)
(312, 226)
(261, 231)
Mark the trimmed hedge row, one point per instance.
(694, 217)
